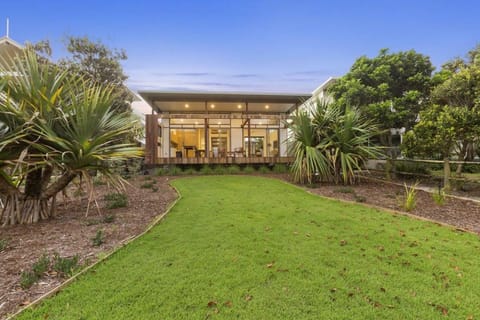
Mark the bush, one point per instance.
(27, 279)
(205, 170)
(98, 240)
(220, 170)
(109, 218)
(234, 169)
(264, 169)
(190, 172)
(116, 200)
(280, 168)
(64, 265)
(439, 197)
(41, 266)
(146, 185)
(249, 170)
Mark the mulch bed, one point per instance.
(71, 233)
(456, 212)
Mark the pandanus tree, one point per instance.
(331, 143)
(54, 126)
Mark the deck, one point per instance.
(224, 160)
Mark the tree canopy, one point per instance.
(95, 61)
(390, 88)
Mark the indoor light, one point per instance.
(186, 105)
(239, 106)
(212, 106)
(267, 106)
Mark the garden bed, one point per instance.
(71, 233)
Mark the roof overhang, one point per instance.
(193, 101)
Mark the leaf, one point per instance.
(211, 304)
(248, 297)
(228, 304)
(270, 264)
(25, 303)
(443, 310)
(343, 242)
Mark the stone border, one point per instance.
(88, 268)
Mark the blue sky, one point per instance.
(248, 45)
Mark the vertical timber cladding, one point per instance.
(151, 139)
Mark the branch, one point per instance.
(58, 185)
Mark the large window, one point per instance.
(187, 143)
(261, 143)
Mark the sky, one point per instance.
(248, 45)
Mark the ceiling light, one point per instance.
(239, 106)
(219, 123)
(212, 106)
(196, 122)
(186, 105)
(267, 106)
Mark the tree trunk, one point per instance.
(19, 209)
(461, 156)
(446, 174)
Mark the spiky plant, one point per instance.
(54, 126)
(330, 142)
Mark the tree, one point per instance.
(458, 86)
(331, 143)
(95, 61)
(390, 89)
(54, 126)
(437, 133)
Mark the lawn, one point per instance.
(237, 247)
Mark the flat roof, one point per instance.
(169, 101)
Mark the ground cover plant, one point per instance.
(243, 247)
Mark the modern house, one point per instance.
(218, 127)
(9, 49)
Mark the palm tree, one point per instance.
(331, 142)
(54, 126)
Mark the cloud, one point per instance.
(309, 73)
(245, 75)
(182, 74)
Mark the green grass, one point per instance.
(239, 247)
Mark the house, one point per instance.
(9, 49)
(218, 127)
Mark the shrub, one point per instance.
(219, 170)
(116, 200)
(249, 170)
(3, 244)
(41, 266)
(109, 218)
(439, 197)
(410, 201)
(234, 169)
(280, 168)
(176, 171)
(190, 172)
(64, 265)
(146, 185)
(99, 238)
(99, 181)
(27, 279)
(264, 169)
(205, 170)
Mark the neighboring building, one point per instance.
(218, 127)
(319, 94)
(9, 49)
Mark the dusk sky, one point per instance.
(243, 45)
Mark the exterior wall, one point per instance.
(165, 148)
